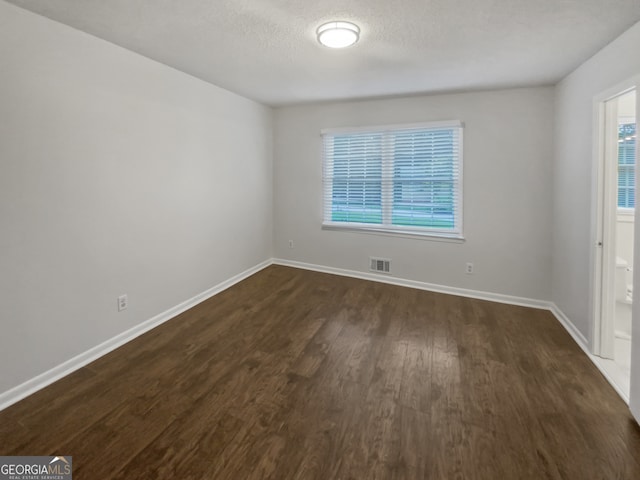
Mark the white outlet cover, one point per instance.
(122, 302)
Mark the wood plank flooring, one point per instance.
(301, 375)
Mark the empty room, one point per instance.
(275, 239)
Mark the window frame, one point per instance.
(633, 167)
(454, 235)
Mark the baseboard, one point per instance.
(33, 385)
(432, 287)
(584, 345)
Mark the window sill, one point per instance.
(373, 230)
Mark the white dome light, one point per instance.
(338, 34)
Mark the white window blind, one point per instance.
(404, 179)
(627, 165)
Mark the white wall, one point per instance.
(573, 188)
(507, 192)
(117, 175)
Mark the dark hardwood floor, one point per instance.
(300, 375)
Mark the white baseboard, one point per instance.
(432, 287)
(33, 385)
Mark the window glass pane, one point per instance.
(627, 140)
(357, 179)
(423, 179)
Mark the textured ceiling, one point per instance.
(266, 49)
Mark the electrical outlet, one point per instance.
(469, 269)
(290, 243)
(123, 301)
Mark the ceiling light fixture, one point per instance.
(338, 34)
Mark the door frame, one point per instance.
(603, 238)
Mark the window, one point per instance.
(400, 179)
(626, 165)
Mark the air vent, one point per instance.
(380, 265)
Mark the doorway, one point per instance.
(615, 225)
